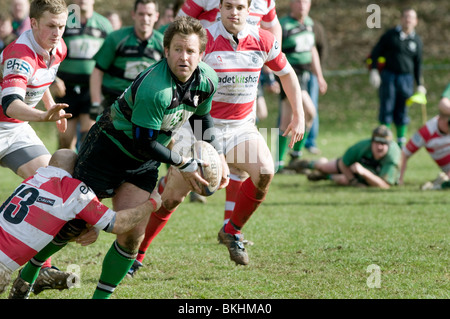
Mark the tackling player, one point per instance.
(28, 68)
(53, 196)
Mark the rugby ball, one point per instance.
(213, 173)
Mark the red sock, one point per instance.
(155, 224)
(231, 192)
(246, 204)
(47, 263)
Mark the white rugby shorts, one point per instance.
(15, 136)
(231, 133)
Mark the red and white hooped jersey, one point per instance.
(238, 66)
(28, 70)
(436, 144)
(37, 210)
(262, 12)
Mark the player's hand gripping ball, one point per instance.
(212, 173)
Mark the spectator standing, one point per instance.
(402, 48)
(20, 10)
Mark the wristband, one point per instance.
(154, 203)
(190, 166)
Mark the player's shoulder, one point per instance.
(158, 37)
(99, 21)
(286, 19)
(208, 72)
(19, 58)
(122, 32)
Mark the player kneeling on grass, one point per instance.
(370, 162)
(435, 137)
(34, 219)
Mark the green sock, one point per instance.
(401, 134)
(282, 148)
(115, 267)
(30, 272)
(296, 150)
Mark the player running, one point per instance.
(237, 51)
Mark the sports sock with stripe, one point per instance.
(231, 192)
(30, 272)
(115, 266)
(246, 205)
(282, 148)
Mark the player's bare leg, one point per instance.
(253, 157)
(29, 168)
(175, 191)
(124, 249)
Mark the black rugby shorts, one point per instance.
(104, 167)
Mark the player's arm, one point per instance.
(128, 218)
(370, 178)
(146, 145)
(121, 222)
(95, 90)
(14, 107)
(317, 70)
(293, 92)
(95, 85)
(49, 102)
(276, 30)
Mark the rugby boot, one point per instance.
(20, 289)
(235, 246)
(134, 268)
(53, 278)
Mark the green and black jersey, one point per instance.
(388, 167)
(158, 102)
(123, 56)
(298, 41)
(83, 41)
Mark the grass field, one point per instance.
(312, 240)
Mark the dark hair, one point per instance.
(185, 26)
(248, 2)
(145, 2)
(38, 7)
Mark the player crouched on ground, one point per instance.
(435, 137)
(371, 162)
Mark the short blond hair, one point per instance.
(38, 7)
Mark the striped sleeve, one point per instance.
(17, 71)
(276, 59)
(269, 19)
(417, 141)
(82, 201)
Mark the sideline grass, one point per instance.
(312, 240)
